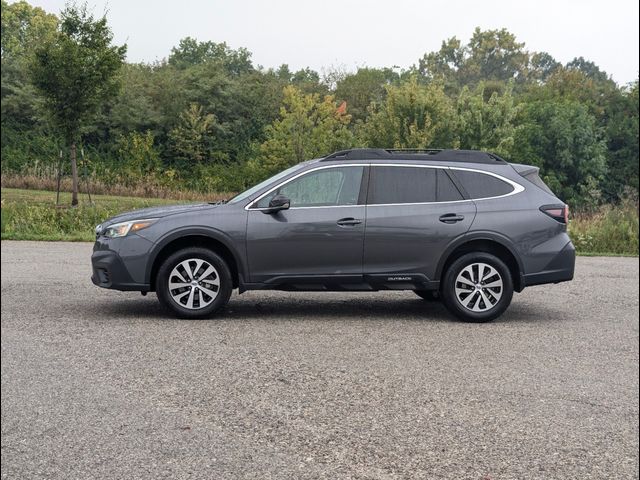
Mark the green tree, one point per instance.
(362, 88)
(486, 124)
(138, 156)
(23, 28)
(590, 69)
(495, 55)
(490, 55)
(563, 139)
(541, 66)
(191, 140)
(623, 149)
(308, 127)
(191, 52)
(411, 116)
(76, 70)
(444, 64)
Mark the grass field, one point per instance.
(33, 215)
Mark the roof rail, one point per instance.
(467, 156)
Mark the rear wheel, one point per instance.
(194, 283)
(477, 287)
(429, 295)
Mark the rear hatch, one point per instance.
(558, 211)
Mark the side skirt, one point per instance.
(346, 283)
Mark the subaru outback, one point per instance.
(464, 227)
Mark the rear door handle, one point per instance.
(451, 218)
(349, 222)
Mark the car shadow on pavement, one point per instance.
(302, 307)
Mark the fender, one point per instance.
(479, 235)
(200, 230)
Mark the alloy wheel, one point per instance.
(194, 283)
(478, 287)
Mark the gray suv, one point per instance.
(464, 227)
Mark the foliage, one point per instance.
(487, 124)
(75, 69)
(412, 115)
(32, 215)
(363, 88)
(489, 55)
(563, 140)
(308, 127)
(191, 141)
(23, 28)
(138, 156)
(190, 52)
(609, 230)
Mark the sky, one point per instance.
(348, 34)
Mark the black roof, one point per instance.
(433, 155)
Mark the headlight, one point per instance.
(122, 229)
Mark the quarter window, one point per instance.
(481, 185)
(403, 184)
(321, 188)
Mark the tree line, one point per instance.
(207, 118)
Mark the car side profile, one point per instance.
(464, 227)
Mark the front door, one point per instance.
(321, 234)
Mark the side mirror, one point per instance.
(277, 203)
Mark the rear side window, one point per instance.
(481, 185)
(403, 184)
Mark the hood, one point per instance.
(157, 212)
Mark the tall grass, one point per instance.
(33, 215)
(141, 188)
(609, 230)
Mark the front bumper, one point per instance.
(109, 271)
(559, 269)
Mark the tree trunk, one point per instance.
(74, 175)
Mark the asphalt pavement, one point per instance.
(103, 384)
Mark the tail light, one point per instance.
(559, 213)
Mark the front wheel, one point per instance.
(477, 287)
(194, 283)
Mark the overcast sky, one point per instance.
(353, 33)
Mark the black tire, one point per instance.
(455, 306)
(429, 295)
(221, 272)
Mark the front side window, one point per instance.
(321, 188)
(403, 184)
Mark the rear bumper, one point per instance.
(559, 269)
(109, 271)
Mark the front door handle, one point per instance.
(349, 222)
(451, 218)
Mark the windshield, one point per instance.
(247, 193)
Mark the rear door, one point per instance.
(413, 213)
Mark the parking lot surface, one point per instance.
(102, 384)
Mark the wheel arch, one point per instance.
(487, 242)
(200, 237)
